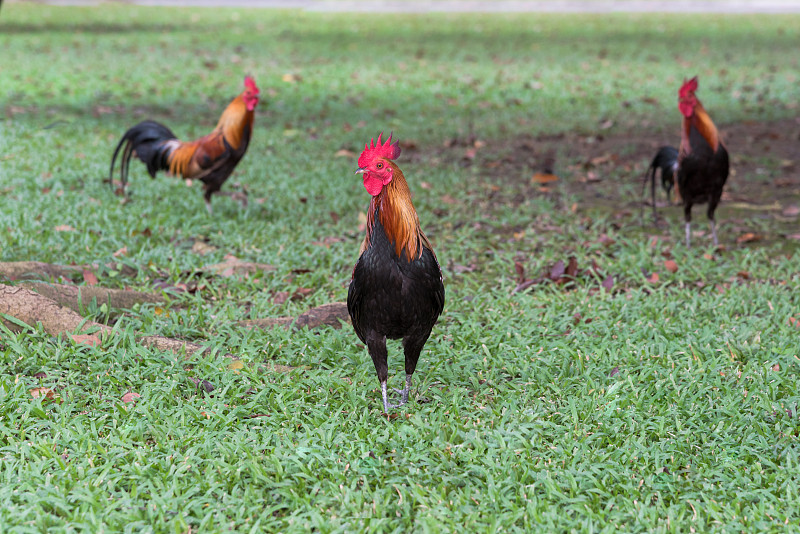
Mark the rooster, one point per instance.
(210, 159)
(702, 158)
(396, 291)
(666, 160)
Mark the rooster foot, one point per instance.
(403, 395)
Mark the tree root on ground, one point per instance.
(78, 297)
(32, 308)
(36, 270)
(326, 315)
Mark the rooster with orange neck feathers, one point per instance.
(702, 158)
(397, 290)
(210, 159)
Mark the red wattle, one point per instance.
(373, 185)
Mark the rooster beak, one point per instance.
(361, 170)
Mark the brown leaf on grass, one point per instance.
(233, 266)
(89, 277)
(614, 371)
(344, 153)
(791, 211)
(748, 237)
(520, 270)
(64, 228)
(121, 252)
(557, 270)
(459, 269)
(145, 233)
(202, 248)
(280, 297)
(447, 199)
(301, 293)
(544, 178)
(776, 367)
(653, 278)
(207, 386)
(130, 396)
(744, 275)
(608, 283)
(93, 340)
(572, 267)
(671, 266)
(425, 185)
(40, 374)
(793, 321)
(43, 393)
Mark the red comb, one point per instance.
(688, 87)
(250, 84)
(379, 150)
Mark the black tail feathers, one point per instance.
(666, 159)
(148, 140)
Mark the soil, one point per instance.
(604, 172)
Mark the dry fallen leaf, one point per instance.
(89, 277)
(671, 266)
(64, 228)
(544, 178)
(749, 237)
(121, 252)
(92, 340)
(45, 393)
(343, 153)
(202, 248)
(130, 396)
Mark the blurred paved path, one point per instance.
(422, 6)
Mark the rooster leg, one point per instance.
(687, 215)
(376, 346)
(712, 207)
(713, 231)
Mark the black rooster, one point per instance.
(702, 158)
(396, 291)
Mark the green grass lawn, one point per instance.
(661, 405)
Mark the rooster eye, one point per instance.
(379, 165)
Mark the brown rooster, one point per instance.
(702, 158)
(210, 159)
(396, 291)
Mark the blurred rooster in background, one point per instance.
(210, 159)
(396, 291)
(702, 158)
(666, 160)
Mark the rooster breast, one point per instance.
(703, 172)
(392, 296)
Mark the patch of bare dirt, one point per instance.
(605, 171)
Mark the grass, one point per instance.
(658, 406)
